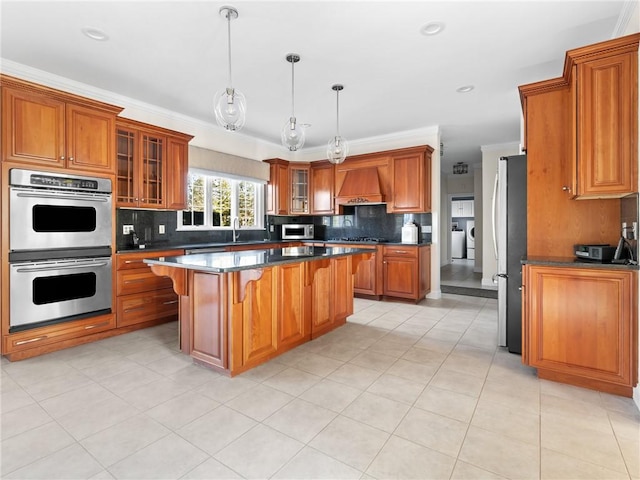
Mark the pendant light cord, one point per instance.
(337, 113)
(229, 44)
(292, 96)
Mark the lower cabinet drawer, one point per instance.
(399, 251)
(37, 337)
(140, 280)
(147, 306)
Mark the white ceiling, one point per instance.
(174, 55)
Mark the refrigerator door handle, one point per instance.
(494, 217)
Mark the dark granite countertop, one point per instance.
(165, 246)
(575, 263)
(224, 262)
(259, 243)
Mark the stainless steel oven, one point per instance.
(60, 231)
(48, 291)
(51, 211)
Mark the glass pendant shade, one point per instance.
(293, 134)
(230, 106)
(337, 148)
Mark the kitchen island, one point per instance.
(240, 309)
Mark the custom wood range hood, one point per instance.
(360, 187)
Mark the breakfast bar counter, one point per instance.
(240, 309)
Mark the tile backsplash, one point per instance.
(359, 221)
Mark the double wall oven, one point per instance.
(60, 231)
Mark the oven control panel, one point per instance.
(63, 182)
(31, 178)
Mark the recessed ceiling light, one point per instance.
(95, 34)
(465, 89)
(432, 28)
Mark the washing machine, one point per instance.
(471, 239)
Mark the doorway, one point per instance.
(459, 275)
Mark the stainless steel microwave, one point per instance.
(299, 231)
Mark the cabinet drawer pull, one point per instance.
(102, 324)
(132, 261)
(137, 280)
(37, 339)
(134, 309)
(401, 252)
(171, 302)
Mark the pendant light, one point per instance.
(337, 148)
(292, 132)
(230, 105)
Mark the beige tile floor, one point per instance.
(401, 391)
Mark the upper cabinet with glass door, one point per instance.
(299, 183)
(143, 163)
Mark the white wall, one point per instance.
(479, 217)
(490, 156)
(445, 214)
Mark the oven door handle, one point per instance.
(60, 267)
(72, 196)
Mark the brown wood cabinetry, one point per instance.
(322, 188)
(606, 115)
(331, 295)
(278, 187)
(406, 271)
(400, 178)
(146, 175)
(594, 120)
(41, 340)
(367, 280)
(142, 296)
(237, 320)
(177, 172)
(580, 326)
(46, 127)
(299, 189)
(411, 181)
(555, 222)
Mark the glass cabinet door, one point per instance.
(152, 170)
(299, 190)
(125, 186)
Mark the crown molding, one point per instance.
(626, 14)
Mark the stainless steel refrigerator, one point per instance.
(510, 244)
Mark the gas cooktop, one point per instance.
(359, 239)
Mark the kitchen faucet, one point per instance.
(235, 226)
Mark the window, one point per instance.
(214, 201)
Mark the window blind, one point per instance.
(226, 164)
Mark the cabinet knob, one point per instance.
(566, 189)
(62, 157)
(71, 159)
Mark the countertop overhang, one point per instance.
(575, 263)
(224, 262)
